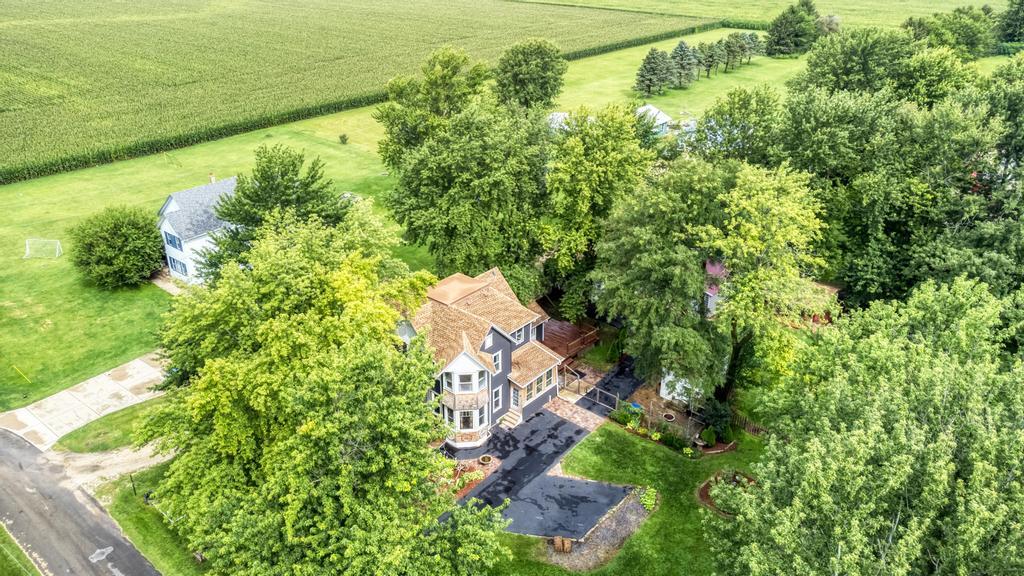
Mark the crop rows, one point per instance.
(81, 84)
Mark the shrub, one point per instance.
(620, 416)
(718, 416)
(674, 441)
(649, 498)
(117, 247)
(641, 431)
(343, 138)
(708, 436)
(656, 436)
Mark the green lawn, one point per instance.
(672, 540)
(855, 13)
(110, 432)
(13, 561)
(609, 78)
(89, 81)
(144, 525)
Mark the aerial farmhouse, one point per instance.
(187, 220)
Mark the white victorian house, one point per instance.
(187, 219)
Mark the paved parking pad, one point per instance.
(621, 382)
(539, 504)
(45, 421)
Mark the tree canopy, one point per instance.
(118, 247)
(302, 442)
(530, 74)
(898, 449)
(280, 180)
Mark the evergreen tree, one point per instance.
(655, 73)
(708, 58)
(792, 32)
(1011, 23)
(685, 64)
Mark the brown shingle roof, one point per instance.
(460, 310)
(530, 361)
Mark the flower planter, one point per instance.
(485, 459)
(669, 417)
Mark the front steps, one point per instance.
(511, 419)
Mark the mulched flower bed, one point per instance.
(467, 466)
(719, 448)
(704, 491)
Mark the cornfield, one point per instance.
(94, 81)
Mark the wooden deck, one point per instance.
(567, 339)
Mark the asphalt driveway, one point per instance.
(539, 504)
(619, 382)
(62, 529)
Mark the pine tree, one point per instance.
(655, 73)
(1012, 22)
(685, 64)
(792, 32)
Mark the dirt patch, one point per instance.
(119, 374)
(90, 470)
(468, 466)
(605, 540)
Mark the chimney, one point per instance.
(212, 178)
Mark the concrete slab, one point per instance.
(45, 421)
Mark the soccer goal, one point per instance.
(42, 248)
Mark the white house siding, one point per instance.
(189, 254)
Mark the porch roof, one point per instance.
(530, 361)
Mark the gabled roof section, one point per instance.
(530, 361)
(195, 209)
(461, 310)
(655, 114)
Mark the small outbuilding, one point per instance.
(661, 121)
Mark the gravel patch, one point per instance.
(605, 540)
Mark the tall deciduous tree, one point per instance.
(595, 162)
(867, 59)
(898, 450)
(530, 74)
(280, 179)
(742, 125)
(302, 444)
(1011, 22)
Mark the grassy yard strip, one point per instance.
(145, 526)
(13, 561)
(860, 13)
(673, 533)
(110, 432)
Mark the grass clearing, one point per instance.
(13, 561)
(110, 432)
(860, 13)
(86, 82)
(672, 533)
(145, 526)
(608, 78)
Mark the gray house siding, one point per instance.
(538, 402)
(500, 343)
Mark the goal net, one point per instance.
(42, 248)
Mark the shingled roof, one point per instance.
(193, 212)
(460, 311)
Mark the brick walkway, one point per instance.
(579, 416)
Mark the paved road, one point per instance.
(542, 505)
(63, 530)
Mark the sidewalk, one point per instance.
(45, 421)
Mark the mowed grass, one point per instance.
(144, 525)
(609, 78)
(91, 80)
(13, 561)
(110, 432)
(851, 13)
(671, 541)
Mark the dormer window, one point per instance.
(489, 340)
(519, 335)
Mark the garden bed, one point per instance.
(704, 490)
(464, 467)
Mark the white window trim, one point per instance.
(478, 424)
(519, 336)
(496, 399)
(489, 340)
(496, 360)
(473, 384)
